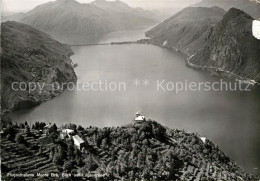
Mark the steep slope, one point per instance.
(145, 151)
(187, 29)
(28, 55)
(231, 48)
(249, 6)
(75, 23)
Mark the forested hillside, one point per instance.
(187, 29)
(141, 151)
(28, 55)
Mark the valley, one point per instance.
(109, 43)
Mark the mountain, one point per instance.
(231, 48)
(116, 6)
(121, 7)
(71, 22)
(251, 7)
(187, 29)
(12, 17)
(29, 56)
(144, 151)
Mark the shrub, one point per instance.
(10, 131)
(53, 136)
(9, 137)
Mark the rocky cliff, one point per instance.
(230, 48)
(30, 56)
(187, 29)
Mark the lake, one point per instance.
(231, 119)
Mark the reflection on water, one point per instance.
(230, 119)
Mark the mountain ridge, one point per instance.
(31, 56)
(187, 29)
(231, 48)
(84, 23)
(250, 7)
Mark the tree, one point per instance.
(53, 129)
(41, 126)
(71, 150)
(90, 164)
(72, 126)
(174, 166)
(57, 160)
(146, 127)
(20, 139)
(27, 129)
(10, 131)
(145, 174)
(6, 121)
(80, 128)
(104, 143)
(59, 156)
(68, 166)
(53, 136)
(110, 169)
(21, 126)
(79, 161)
(159, 132)
(9, 137)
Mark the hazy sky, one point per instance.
(25, 5)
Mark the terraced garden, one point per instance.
(30, 158)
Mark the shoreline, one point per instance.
(28, 104)
(214, 71)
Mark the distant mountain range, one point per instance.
(121, 7)
(187, 29)
(230, 48)
(31, 56)
(75, 23)
(249, 6)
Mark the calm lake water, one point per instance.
(231, 119)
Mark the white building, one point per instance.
(68, 132)
(203, 139)
(139, 118)
(256, 29)
(78, 142)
